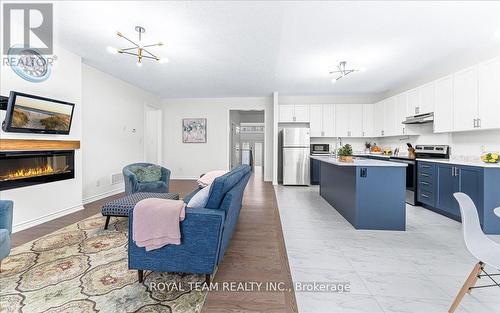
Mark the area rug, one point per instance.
(83, 268)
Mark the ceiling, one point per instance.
(236, 48)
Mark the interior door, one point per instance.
(235, 146)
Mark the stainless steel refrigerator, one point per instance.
(296, 150)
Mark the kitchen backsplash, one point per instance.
(467, 146)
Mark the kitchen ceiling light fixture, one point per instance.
(138, 49)
(342, 71)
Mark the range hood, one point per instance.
(420, 119)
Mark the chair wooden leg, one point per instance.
(470, 282)
(107, 222)
(207, 279)
(140, 273)
(0, 266)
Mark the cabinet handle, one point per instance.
(426, 166)
(425, 175)
(294, 118)
(478, 123)
(457, 171)
(425, 183)
(475, 123)
(363, 134)
(424, 195)
(404, 129)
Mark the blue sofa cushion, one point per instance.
(223, 184)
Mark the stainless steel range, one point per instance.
(421, 152)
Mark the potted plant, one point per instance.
(368, 145)
(345, 153)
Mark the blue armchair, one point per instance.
(132, 185)
(205, 233)
(6, 208)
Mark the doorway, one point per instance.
(152, 134)
(247, 138)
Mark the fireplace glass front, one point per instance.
(20, 169)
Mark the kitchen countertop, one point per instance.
(461, 162)
(358, 162)
(372, 155)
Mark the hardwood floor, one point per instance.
(256, 253)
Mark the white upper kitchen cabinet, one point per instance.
(368, 118)
(465, 99)
(378, 121)
(355, 120)
(401, 105)
(329, 120)
(287, 113)
(390, 117)
(413, 102)
(342, 120)
(443, 110)
(489, 94)
(322, 120)
(316, 120)
(426, 104)
(302, 113)
(290, 113)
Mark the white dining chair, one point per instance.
(479, 245)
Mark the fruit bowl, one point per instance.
(492, 157)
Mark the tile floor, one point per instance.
(418, 271)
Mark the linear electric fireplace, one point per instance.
(21, 169)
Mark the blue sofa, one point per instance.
(206, 232)
(132, 185)
(6, 208)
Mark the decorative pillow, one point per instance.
(209, 177)
(200, 199)
(147, 174)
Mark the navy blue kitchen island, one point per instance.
(370, 194)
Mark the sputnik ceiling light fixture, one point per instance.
(138, 49)
(342, 71)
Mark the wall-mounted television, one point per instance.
(33, 114)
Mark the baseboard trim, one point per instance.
(185, 177)
(103, 195)
(46, 218)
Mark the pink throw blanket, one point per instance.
(157, 222)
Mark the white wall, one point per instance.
(113, 129)
(189, 160)
(39, 203)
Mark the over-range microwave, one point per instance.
(320, 148)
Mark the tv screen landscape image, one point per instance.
(28, 113)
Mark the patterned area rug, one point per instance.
(83, 268)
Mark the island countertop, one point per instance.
(358, 162)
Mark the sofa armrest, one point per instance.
(6, 214)
(201, 233)
(130, 181)
(165, 176)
